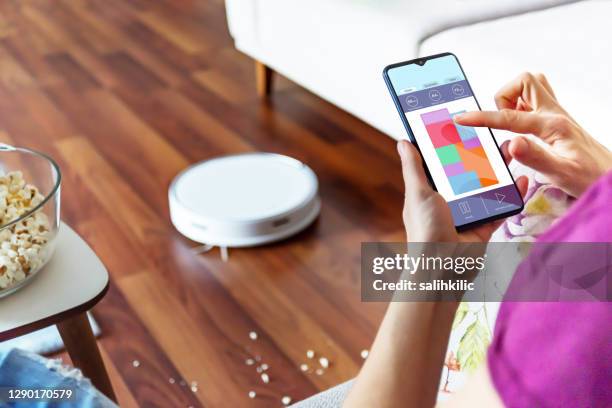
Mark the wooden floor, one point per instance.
(125, 94)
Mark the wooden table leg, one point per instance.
(83, 350)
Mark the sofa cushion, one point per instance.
(331, 398)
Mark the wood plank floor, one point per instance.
(126, 93)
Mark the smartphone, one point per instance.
(464, 164)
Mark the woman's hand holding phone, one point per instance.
(572, 159)
(426, 214)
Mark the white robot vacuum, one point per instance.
(244, 200)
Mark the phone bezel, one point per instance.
(414, 142)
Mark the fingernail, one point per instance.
(520, 145)
(401, 149)
(458, 116)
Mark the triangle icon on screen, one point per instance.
(500, 197)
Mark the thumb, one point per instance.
(532, 155)
(415, 179)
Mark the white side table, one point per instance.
(71, 283)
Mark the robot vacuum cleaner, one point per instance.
(244, 200)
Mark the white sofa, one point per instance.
(338, 48)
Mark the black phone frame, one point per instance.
(422, 61)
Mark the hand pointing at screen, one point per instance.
(570, 157)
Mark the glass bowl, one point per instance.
(30, 222)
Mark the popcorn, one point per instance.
(23, 245)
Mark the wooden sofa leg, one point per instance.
(263, 77)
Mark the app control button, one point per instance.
(457, 90)
(411, 101)
(464, 207)
(500, 197)
(435, 95)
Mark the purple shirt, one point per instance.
(559, 354)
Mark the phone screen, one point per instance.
(465, 163)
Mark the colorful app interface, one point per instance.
(464, 162)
